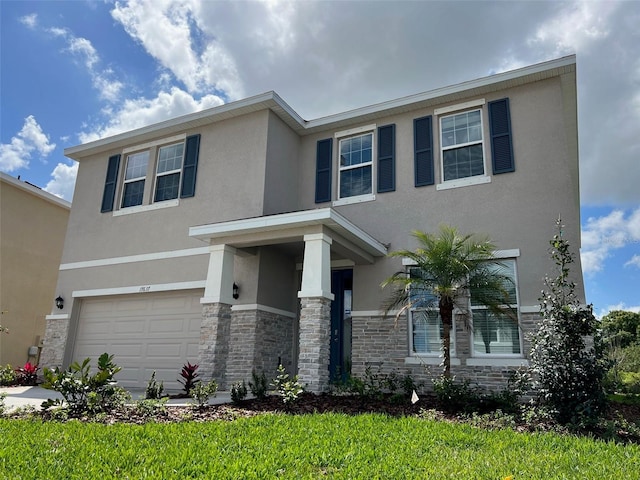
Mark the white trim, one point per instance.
(430, 360)
(497, 362)
(530, 309)
(459, 106)
(354, 131)
(160, 287)
(463, 182)
(146, 208)
(144, 257)
(509, 253)
(315, 294)
(57, 316)
(322, 216)
(357, 199)
(264, 308)
(145, 146)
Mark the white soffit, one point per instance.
(284, 222)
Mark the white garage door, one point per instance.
(145, 332)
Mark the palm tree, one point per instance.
(451, 266)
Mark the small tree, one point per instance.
(451, 265)
(566, 355)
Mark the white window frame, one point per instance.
(167, 172)
(148, 201)
(472, 308)
(127, 181)
(347, 135)
(453, 110)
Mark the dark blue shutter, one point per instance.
(324, 153)
(423, 151)
(500, 130)
(387, 158)
(110, 183)
(190, 168)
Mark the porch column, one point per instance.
(315, 313)
(215, 328)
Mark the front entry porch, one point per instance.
(263, 256)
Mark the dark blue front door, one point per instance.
(340, 352)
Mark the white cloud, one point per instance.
(170, 32)
(634, 262)
(30, 20)
(620, 306)
(141, 112)
(63, 182)
(29, 139)
(102, 79)
(602, 235)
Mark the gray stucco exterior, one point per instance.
(253, 221)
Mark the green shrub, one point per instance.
(630, 359)
(568, 372)
(83, 392)
(289, 389)
(154, 388)
(238, 391)
(2, 405)
(151, 407)
(202, 391)
(630, 382)
(7, 376)
(259, 385)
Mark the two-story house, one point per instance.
(243, 236)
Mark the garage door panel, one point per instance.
(160, 337)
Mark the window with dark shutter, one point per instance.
(109, 194)
(423, 151)
(324, 151)
(190, 169)
(500, 130)
(386, 158)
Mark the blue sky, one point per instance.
(75, 71)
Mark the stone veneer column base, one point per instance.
(55, 341)
(215, 332)
(315, 337)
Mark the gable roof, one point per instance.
(272, 101)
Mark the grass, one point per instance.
(333, 446)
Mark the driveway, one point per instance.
(18, 397)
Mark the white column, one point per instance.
(316, 269)
(219, 285)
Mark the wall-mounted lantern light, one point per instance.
(236, 291)
(60, 302)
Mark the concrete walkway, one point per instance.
(18, 397)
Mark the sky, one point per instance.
(76, 71)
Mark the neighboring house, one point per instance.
(243, 236)
(33, 224)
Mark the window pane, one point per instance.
(462, 162)
(356, 181)
(137, 165)
(170, 158)
(427, 331)
(494, 334)
(133, 193)
(167, 187)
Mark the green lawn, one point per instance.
(303, 446)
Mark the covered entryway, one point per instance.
(145, 332)
(318, 239)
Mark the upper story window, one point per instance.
(461, 143)
(134, 179)
(356, 166)
(366, 161)
(168, 172)
(156, 175)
